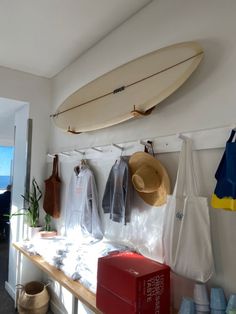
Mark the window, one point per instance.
(6, 157)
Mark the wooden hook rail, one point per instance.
(202, 139)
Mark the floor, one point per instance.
(6, 302)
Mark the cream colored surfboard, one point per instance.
(130, 90)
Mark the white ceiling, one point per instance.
(43, 37)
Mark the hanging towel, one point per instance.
(82, 205)
(224, 195)
(118, 192)
(226, 171)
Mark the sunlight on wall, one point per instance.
(61, 297)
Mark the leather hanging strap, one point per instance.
(149, 146)
(51, 203)
(55, 167)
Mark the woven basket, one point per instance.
(33, 298)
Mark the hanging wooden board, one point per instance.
(130, 90)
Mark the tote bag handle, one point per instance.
(55, 166)
(186, 183)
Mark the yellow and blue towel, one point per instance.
(225, 191)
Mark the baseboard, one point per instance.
(10, 290)
(56, 309)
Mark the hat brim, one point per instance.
(158, 197)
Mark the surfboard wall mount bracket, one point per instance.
(69, 130)
(138, 113)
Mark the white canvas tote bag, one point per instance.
(186, 237)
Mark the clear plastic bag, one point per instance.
(144, 231)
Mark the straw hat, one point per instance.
(149, 178)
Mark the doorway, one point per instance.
(14, 133)
(6, 162)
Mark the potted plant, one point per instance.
(32, 204)
(47, 231)
(47, 220)
(31, 208)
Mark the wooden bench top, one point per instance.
(77, 289)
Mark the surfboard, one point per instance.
(129, 91)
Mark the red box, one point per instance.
(128, 283)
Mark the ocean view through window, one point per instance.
(6, 157)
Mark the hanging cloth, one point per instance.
(82, 216)
(51, 203)
(187, 238)
(224, 195)
(118, 192)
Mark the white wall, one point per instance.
(206, 94)
(206, 100)
(8, 108)
(35, 93)
(16, 274)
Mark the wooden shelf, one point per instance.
(77, 289)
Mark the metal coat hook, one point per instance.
(147, 143)
(79, 152)
(182, 137)
(97, 149)
(142, 142)
(64, 154)
(51, 156)
(117, 146)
